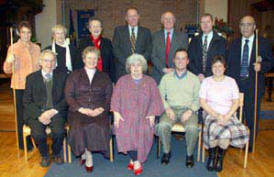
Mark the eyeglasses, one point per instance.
(246, 25)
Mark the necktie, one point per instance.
(244, 64)
(167, 47)
(132, 41)
(204, 54)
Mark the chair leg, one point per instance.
(203, 153)
(199, 146)
(25, 147)
(65, 150)
(69, 153)
(158, 147)
(33, 142)
(111, 149)
(246, 154)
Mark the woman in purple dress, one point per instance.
(135, 102)
(88, 93)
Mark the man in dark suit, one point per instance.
(129, 39)
(44, 105)
(165, 43)
(242, 66)
(204, 47)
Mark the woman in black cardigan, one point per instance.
(106, 61)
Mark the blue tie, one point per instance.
(244, 64)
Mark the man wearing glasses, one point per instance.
(242, 66)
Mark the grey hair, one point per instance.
(134, 58)
(44, 52)
(56, 27)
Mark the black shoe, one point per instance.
(219, 159)
(189, 161)
(211, 159)
(165, 158)
(57, 159)
(45, 162)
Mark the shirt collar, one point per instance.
(170, 32)
(180, 77)
(251, 38)
(44, 74)
(209, 35)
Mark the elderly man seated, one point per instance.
(44, 105)
(180, 95)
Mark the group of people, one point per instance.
(60, 85)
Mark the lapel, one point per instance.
(84, 77)
(162, 42)
(213, 40)
(253, 51)
(41, 83)
(139, 37)
(127, 37)
(238, 57)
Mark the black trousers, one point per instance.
(249, 106)
(40, 136)
(20, 120)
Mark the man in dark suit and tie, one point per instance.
(44, 105)
(129, 39)
(204, 47)
(242, 66)
(165, 43)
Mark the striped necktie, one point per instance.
(204, 54)
(244, 64)
(133, 40)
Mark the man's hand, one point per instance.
(170, 113)
(168, 70)
(201, 77)
(257, 66)
(186, 115)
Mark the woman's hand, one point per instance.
(96, 112)
(84, 111)
(117, 119)
(151, 120)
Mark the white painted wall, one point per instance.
(45, 21)
(218, 8)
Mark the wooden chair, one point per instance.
(179, 128)
(241, 105)
(69, 148)
(27, 132)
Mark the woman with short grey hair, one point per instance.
(135, 102)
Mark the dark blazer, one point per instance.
(106, 54)
(122, 46)
(179, 40)
(35, 94)
(80, 93)
(76, 59)
(195, 53)
(234, 62)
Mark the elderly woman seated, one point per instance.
(88, 93)
(219, 97)
(135, 102)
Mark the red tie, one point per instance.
(167, 48)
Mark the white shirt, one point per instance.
(44, 74)
(209, 38)
(90, 73)
(170, 34)
(135, 30)
(250, 45)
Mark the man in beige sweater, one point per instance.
(180, 95)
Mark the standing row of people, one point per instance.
(136, 99)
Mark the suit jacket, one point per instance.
(80, 93)
(179, 40)
(35, 95)
(195, 53)
(106, 55)
(75, 55)
(122, 46)
(234, 62)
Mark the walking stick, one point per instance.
(256, 93)
(13, 89)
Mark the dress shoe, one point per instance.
(45, 162)
(57, 159)
(211, 159)
(165, 158)
(130, 166)
(89, 169)
(189, 161)
(219, 159)
(138, 171)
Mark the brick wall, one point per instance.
(112, 12)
